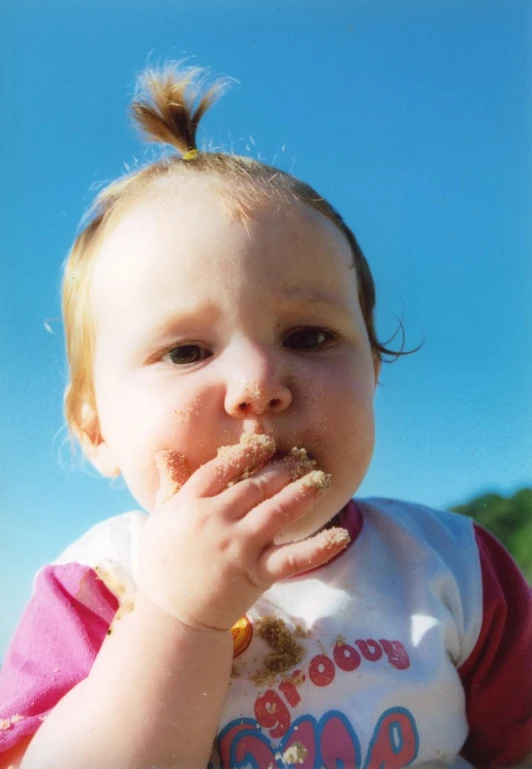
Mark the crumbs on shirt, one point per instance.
(6, 723)
(287, 651)
(112, 583)
(295, 754)
(275, 720)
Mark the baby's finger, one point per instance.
(285, 561)
(265, 483)
(231, 463)
(276, 514)
(173, 473)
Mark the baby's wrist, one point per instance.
(180, 621)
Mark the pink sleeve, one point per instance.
(497, 676)
(54, 647)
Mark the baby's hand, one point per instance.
(207, 552)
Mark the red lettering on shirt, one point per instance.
(321, 670)
(395, 742)
(339, 744)
(227, 737)
(396, 653)
(271, 712)
(369, 649)
(346, 657)
(255, 746)
(289, 690)
(304, 733)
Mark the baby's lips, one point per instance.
(246, 457)
(297, 463)
(254, 449)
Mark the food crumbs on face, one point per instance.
(255, 447)
(297, 463)
(295, 754)
(184, 415)
(287, 652)
(173, 471)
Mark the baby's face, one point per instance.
(209, 327)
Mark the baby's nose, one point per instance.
(250, 398)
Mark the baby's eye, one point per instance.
(308, 338)
(187, 353)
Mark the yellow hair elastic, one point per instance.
(190, 155)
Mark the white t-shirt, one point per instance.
(410, 648)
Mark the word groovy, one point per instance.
(331, 742)
(272, 713)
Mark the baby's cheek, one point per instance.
(178, 439)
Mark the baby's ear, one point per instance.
(95, 448)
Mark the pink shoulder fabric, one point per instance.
(54, 647)
(497, 677)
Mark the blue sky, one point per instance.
(413, 118)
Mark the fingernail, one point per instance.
(317, 481)
(334, 538)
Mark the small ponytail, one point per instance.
(171, 104)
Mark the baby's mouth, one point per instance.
(296, 461)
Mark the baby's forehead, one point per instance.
(256, 208)
(241, 199)
(292, 252)
(193, 230)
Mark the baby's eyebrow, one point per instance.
(298, 294)
(207, 311)
(313, 297)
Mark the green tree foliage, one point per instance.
(510, 519)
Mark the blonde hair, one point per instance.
(169, 105)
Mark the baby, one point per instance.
(223, 359)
